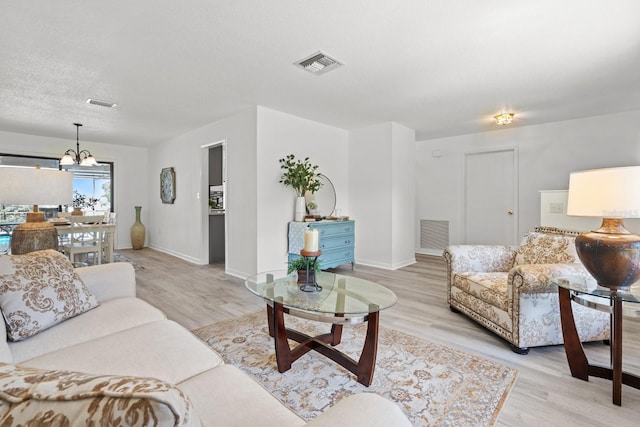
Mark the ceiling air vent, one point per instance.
(318, 63)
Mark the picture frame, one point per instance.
(168, 185)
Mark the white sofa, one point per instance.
(113, 353)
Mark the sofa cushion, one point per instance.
(488, 287)
(161, 349)
(226, 396)
(109, 317)
(547, 248)
(31, 396)
(38, 290)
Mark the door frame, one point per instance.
(516, 188)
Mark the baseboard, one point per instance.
(385, 266)
(177, 254)
(425, 251)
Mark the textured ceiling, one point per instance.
(440, 67)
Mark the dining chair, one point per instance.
(86, 237)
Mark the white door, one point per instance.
(491, 197)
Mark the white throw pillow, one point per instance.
(38, 290)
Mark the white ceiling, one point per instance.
(440, 67)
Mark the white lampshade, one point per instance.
(608, 193)
(32, 186)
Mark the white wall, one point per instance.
(181, 229)
(382, 194)
(403, 195)
(280, 134)
(547, 154)
(258, 208)
(130, 171)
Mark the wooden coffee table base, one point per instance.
(285, 355)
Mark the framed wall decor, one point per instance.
(168, 185)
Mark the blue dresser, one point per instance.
(337, 240)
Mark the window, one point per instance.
(90, 182)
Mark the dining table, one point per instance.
(64, 228)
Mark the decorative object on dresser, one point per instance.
(336, 241)
(611, 254)
(23, 186)
(508, 290)
(303, 177)
(138, 231)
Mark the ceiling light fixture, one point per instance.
(71, 156)
(101, 103)
(504, 118)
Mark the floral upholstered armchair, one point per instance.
(508, 291)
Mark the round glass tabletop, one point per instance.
(589, 286)
(340, 295)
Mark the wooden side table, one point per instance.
(574, 289)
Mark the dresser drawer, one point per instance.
(333, 228)
(335, 257)
(332, 242)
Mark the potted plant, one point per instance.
(300, 265)
(81, 201)
(302, 176)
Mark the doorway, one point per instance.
(490, 197)
(215, 178)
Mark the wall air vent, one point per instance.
(318, 63)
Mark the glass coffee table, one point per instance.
(587, 292)
(342, 300)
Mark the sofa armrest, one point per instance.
(534, 278)
(479, 258)
(362, 409)
(109, 281)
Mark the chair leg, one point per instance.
(453, 309)
(519, 350)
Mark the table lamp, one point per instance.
(26, 186)
(611, 254)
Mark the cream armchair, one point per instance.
(507, 289)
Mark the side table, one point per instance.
(609, 301)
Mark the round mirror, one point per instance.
(324, 199)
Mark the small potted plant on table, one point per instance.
(300, 265)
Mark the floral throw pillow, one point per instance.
(39, 290)
(544, 248)
(38, 397)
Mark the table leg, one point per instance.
(283, 351)
(578, 363)
(616, 351)
(367, 362)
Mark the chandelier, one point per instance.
(71, 156)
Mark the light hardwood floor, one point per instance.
(544, 394)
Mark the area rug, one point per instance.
(434, 385)
(118, 257)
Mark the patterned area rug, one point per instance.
(435, 385)
(118, 257)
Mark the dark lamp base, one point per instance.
(611, 254)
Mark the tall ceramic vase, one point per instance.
(300, 210)
(137, 231)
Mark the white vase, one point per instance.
(300, 210)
